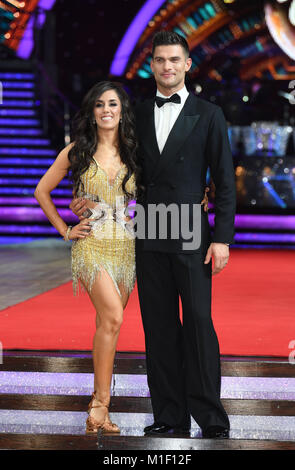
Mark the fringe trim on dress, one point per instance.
(118, 275)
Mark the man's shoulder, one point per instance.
(204, 105)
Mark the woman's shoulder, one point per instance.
(63, 154)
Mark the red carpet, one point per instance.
(253, 311)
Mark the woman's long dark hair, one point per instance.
(86, 140)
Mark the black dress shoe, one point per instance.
(215, 432)
(161, 428)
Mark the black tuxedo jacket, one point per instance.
(198, 140)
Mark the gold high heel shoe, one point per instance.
(92, 425)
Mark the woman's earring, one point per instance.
(120, 119)
(94, 121)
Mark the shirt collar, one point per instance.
(183, 93)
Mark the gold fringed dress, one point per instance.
(110, 246)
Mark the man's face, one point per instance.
(169, 65)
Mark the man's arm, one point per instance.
(78, 206)
(220, 161)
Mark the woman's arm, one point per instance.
(48, 183)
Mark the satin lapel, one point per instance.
(181, 130)
(148, 134)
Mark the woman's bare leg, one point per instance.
(124, 301)
(109, 316)
(124, 295)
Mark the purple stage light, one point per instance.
(14, 103)
(29, 141)
(269, 246)
(132, 35)
(33, 214)
(17, 85)
(24, 151)
(27, 42)
(264, 222)
(25, 182)
(17, 76)
(30, 229)
(26, 161)
(19, 122)
(32, 141)
(17, 112)
(265, 237)
(18, 94)
(14, 201)
(30, 191)
(23, 171)
(19, 132)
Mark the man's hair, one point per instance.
(168, 38)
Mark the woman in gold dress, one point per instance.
(102, 162)
(106, 177)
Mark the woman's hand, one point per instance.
(205, 199)
(80, 230)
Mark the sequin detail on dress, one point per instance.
(110, 246)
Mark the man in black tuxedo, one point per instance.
(180, 136)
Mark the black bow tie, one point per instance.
(173, 99)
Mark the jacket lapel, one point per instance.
(148, 134)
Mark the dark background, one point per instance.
(87, 36)
(84, 36)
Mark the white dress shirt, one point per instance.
(166, 116)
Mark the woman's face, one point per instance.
(107, 110)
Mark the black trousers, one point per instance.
(183, 361)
